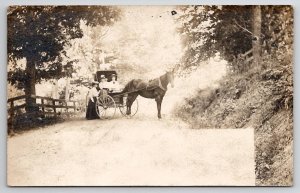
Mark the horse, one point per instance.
(155, 89)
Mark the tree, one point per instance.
(233, 30)
(86, 50)
(208, 30)
(40, 34)
(256, 40)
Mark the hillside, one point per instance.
(262, 99)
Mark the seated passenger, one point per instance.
(114, 85)
(103, 83)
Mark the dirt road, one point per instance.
(137, 151)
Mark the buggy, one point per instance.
(109, 100)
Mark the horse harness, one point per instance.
(155, 83)
(150, 86)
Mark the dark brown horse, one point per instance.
(155, 89)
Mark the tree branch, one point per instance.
(243, 27)
(104, 33)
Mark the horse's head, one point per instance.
(170, 76)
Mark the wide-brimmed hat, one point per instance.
(95, 83)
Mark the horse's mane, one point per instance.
(128, 87)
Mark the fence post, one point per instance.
(43, 107)
(54, 108)
(74, 103)
(67, 109)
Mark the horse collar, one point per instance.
(160, 85)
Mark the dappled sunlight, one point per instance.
(145, 37)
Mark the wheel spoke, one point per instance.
(106, 107)
(101, 109)
(134, 108)
(100, 102)
(110, 103)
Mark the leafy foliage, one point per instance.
(212, 29)
(40, 33)
(208, 30)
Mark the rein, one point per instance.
(124, 93)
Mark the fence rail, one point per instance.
(46, 106)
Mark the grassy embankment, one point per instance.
(262, 99)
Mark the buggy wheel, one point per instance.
(134, 108)
(105, 107)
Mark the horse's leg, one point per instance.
(158, 100)
(130, 99)
(128, 106)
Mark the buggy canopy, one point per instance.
(107, 73)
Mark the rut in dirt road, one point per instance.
(131, 152)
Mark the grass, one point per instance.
(262, 99)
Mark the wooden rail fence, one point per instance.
(46, 106)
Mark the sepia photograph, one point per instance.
(174, 95)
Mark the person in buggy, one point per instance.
(103, 83)
(114, 85)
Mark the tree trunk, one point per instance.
(30, 85)
(256, 41)
(54, 93)
(67, 93)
